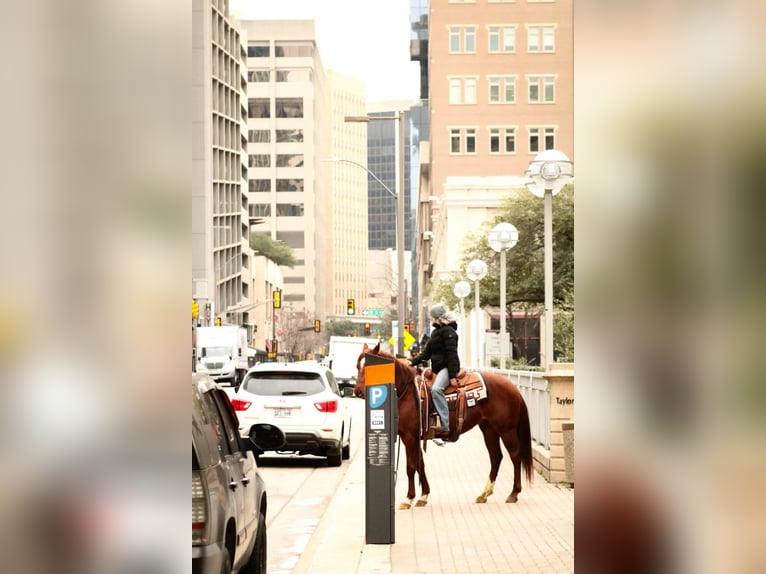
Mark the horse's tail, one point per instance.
(525, 442)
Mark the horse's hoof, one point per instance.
(512, 498)
(481, 499)
(404, 506)
(421, 503)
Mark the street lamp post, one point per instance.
(549, 172)
(461, 290)
(476, 271)
(401, 294)
(502, 237)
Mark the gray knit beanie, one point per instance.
(438, 311)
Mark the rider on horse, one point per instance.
(441, 349)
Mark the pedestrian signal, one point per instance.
(366, 328)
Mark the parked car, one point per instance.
(228, 493)
(302, 399)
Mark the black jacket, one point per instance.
(441, 349)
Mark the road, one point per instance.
(299, 489)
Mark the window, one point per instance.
(462, 140)
(289, 185)
(502, 140)
(288, 50)
(258, 76)
(548, 135)
(502, 89)
(259, 108)
(289, 135)
(259, 209)
(541, 38)
(259, 185)
(290, 160)
(289, 108)
(462, 39)
(294, 239)
(289, 209)
(541, 89)
(462, 90)
(259, 136)
(302, 75)
(259, 160)
(258, 50)
(502, 39)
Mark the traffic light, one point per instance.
(350, 307)
(195, 309)
(407, 327)
(278, 299)
(317, 325)
(366, 328)
(217, 321)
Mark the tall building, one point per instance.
(287, 138)
(348, 183)
(220, 261)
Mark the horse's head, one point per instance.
(359, 387)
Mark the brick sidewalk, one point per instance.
(534, 535)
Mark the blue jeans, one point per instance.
(440, 402)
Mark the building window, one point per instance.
(462, 141)
(259, 185)
(502, 140)
(542, 89)
(289, 210)
(462, 39)
(259, 160)
(289, 185)
(259, 108)
(502, 39)
(541, 38)
(259, 136)
(287, 50)
(502, 89)
(289, 136)
(294, 239)
(258, 50)
(462, 90)
(299, 75)
(548, 142)
(256, 76)
(259, 210)
(290, 160)
(289, 108)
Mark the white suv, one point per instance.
(304, 401)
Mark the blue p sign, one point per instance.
(377, 395)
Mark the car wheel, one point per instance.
(346, 452)
(334, 457)
(225, 561)
(258, 559)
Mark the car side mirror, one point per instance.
(267, 437)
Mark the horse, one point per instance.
(502, 415)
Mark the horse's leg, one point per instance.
(411, 447)
(425, 488)
(492, 441)
(511, 442)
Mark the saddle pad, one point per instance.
(474, 386)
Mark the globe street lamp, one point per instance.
(549, 171)
(476, 271)
(502, 238)
(461, 290)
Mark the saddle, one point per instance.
(463, 392)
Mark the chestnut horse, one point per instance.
(502, 415)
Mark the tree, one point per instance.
(277, 251)
(525, 274)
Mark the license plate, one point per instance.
(283, 413)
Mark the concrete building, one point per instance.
(220, 263)
(349, 195)
(287, 138)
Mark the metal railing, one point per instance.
(535, 389)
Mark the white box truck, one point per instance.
(342, 355)
(222, 353)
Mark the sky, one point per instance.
(366, 39)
